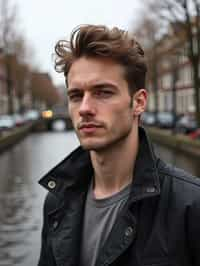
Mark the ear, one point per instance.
(139, 102)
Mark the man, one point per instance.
(112, 201)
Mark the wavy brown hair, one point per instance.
(100, 41)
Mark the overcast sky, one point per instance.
(46, 21)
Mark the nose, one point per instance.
(87, 107)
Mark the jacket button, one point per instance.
(128, 231)
(150, 189)
(51, 184)
(55, 225)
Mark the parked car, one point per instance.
(186, 124)
(165, 120)
(148, 119)
(19, 119)
(32, 115)
(195, 134)
(7, 122)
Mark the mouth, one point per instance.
(88, 127)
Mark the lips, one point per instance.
(88, 127)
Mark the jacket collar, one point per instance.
(76, 171)
(146, 181)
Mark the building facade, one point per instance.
(174, 77)
(3, 94)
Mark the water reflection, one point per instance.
(21, 198)
(16, 222)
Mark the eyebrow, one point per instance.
(72, 90)
(95, 86)
(102, 85)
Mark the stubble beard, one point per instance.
(108, 143)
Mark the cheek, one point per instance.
(71, 110)
(123, 110)
(125, 118)
(72, 114)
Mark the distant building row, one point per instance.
(22, 89)
(173, 71)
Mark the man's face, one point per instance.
(99, 103)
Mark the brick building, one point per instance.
(3, 94)
(173, 73)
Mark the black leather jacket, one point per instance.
(159, 226)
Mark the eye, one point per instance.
(75, 97)
(105, 93)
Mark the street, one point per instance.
(21, 198)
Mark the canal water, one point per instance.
(21, 198)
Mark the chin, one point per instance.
(91, 147)
(95, 146)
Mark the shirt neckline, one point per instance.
(108, 201)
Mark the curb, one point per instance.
(11, 138)
(178, 142)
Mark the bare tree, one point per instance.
(183, 17)
(148, 34)
(23, 76)
(43, 89)
(8, 23)
(17, 54)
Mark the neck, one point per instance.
(114, 167)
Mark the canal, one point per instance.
(21, 197)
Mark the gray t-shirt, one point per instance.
(99, 218)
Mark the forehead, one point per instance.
(88, 71)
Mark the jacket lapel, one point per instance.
(66, 237)
(120, 238)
